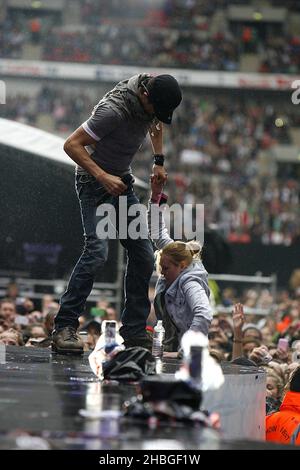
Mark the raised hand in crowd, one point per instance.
(238, 318)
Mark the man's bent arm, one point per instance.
(75, 147)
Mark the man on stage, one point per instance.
(103, 148)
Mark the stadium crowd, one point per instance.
(213, 149)
(179, 34)
(112, 44)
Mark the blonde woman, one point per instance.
(182, 292)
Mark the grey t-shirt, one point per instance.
(118, 136)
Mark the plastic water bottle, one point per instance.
(158, 337)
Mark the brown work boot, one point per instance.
(67, 341)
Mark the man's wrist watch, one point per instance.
(159, 159)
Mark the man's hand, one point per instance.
(113, 184)
(160, 173)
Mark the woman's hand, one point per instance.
(156, 186)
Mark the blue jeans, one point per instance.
(140, 261)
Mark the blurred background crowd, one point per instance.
(172, 33)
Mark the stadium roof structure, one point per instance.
(38, 142)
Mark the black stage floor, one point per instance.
(55, 402)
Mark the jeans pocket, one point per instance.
(83, 179)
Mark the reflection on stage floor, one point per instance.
(50, 401)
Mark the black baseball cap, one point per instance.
(165, 95)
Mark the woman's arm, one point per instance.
(198, 302)
(156, 223)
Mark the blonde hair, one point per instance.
(178, 252)
(272, 374)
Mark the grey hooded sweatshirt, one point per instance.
(119, 125)
(187, 298)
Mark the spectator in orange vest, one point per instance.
(284, 425)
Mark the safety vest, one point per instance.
(284, 425)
